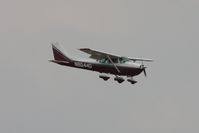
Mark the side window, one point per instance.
(115, 60)
(104, 61)
(107, 61)
(120, 60)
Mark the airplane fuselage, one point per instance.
(130, 69)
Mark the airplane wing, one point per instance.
(140, 59)
(97, 55)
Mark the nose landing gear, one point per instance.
(131, 80)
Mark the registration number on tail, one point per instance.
(83, 65)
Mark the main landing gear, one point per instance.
(104, 77)
(119, 79)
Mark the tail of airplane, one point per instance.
(60, 54)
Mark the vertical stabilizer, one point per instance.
(59, 53)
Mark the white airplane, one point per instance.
(103, 63)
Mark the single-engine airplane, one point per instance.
(103, 63)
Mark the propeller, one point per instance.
(145, 72)
(144, 69)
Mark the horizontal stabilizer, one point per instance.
(59, 62)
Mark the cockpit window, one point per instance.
(123, 59)
(104, 61)
(115, 60)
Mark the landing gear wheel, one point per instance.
(104, 77)
(131, 81)
(119, 79)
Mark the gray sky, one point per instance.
(38, 96)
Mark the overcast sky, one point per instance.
(41, 97)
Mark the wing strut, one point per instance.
(113, 64)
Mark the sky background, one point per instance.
(38, 96)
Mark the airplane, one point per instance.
(103, 63)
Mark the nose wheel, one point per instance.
(131, 80)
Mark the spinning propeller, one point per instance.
(144, 69)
